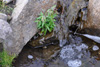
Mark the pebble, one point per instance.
(95, 48)
(30, 57)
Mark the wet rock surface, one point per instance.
(76, 54)
(42, 41)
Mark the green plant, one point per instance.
(45, 22)
(5, 59)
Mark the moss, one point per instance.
(5, 59)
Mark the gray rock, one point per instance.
(23, 25)
(3, 16)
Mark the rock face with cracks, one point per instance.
(69, 15)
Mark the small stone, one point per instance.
(95, 48)
(30, 57)
(45, 47)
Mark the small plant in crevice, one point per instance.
(45, 22)
(5, 59)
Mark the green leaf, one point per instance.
(45, 31)
(39, 18)
(48, 28)
(36, 21)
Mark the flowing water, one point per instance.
(63, 48)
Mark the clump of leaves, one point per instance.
(45, 22)
(5, 59)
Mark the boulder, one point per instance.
(22, 23)
(92, 26)
(3, 30)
